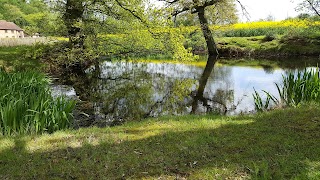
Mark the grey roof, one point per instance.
(4, 25)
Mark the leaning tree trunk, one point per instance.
(211, 45)
(213, 54)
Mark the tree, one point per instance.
(221, 13)
(73, 17)
(199, 7)
(311, 6)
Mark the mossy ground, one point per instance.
(281, 144)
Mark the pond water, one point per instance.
(131, 90)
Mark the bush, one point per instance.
(269, 37)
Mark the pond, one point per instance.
(135, 90)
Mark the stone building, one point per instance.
(10, 30)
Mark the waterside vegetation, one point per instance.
(28, 107)
(36, 138)
(295, 89)
(267, 39)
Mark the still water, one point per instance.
(131, 90)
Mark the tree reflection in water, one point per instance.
(124, 91)
(212, 101)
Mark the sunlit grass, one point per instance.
(274, 145)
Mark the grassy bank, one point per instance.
(262, 47)
(267, 39)
(18, 58)
(282, 144)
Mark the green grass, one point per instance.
(15, 59)
(299, 88)
(282, 144)
(296, 89)
(259, 47)
(27, 106)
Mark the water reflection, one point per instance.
(210, 102)
(128, 90)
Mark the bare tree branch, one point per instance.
(244, 10)
(313, 7)
(134, 13)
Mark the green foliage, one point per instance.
(36, 51)
(33, 16)
(164, 42)
(261, 105)
(222, 13)
(27, 106)
(269, 37)
(175, 44)
(14, 59)
(255, 32)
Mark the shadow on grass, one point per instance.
(276, 145)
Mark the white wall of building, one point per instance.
(11, 34)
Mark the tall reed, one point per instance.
(301, 87)
(295, 89)
(27, 106)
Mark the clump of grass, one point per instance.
(261, 105)
(269, 37)
(300, 87)
(27, 106)
(296, 88)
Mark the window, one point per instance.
(6, 31)
(13, 36)
(12, 31)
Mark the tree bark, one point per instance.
(213, 54)
(72, 17)
(211, 45)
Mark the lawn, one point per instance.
(281, 144)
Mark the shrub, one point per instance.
(269, 37)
